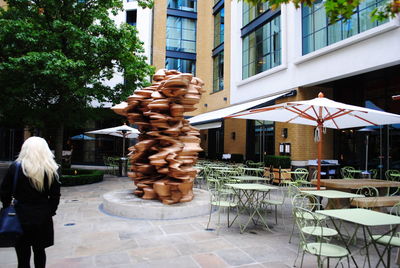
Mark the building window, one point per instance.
(319, 33)
(186, 5)
(262, 48)
(219, 27)
(218, 72)
(250, 12)
(131, 17)
(181, 34)
(182, 65)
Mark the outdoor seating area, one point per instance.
(251, 200)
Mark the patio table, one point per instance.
(365, 219)
(349, 185)
(250, 198)
(249, 178)
(336, 199)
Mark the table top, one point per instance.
(251, 186)
(332, 194)
(356, 183)
(249, 178)
(255, 169)
(354, 170)
(361, 216)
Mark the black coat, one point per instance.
(34, 208)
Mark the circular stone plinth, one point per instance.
(124, 203)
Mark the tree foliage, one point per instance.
(56, 55)
(338, 9)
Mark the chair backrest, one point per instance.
(305, 201)
(374, 173)
(301, 174)
(346, 174)
(368, 191)
(292, 190)
(389, 175)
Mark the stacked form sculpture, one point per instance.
(162, 160)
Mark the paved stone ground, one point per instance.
(87, 237)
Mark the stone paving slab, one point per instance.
(87, 237)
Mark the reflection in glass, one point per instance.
(318, 32)
(262, 48)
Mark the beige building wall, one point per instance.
(159, 34)
(301, 137)
(235, 136)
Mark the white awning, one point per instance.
(221, 113)
(209, 125)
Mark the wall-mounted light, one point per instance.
(233, 135)
(284, 133)
(225, 98)
(205, 104)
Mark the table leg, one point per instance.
(344, 241)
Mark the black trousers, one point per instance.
(23, 251)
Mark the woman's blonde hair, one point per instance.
(37, 161)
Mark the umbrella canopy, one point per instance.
(321, 112)
(123, 131)
(82, 137)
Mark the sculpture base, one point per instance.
(124, 203)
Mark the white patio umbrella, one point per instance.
(123, 131)
(322, 113)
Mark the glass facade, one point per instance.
(262, 48)
(182, 65)
(186, 5)
(181, 34)
(317, 32)
(219, 27)
(218, 72)
(250, 12)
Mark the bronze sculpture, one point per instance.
(162, 160)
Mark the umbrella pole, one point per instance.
(319, 158)
(123, 146)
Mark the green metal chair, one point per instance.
(277, 202)
(346, 172)
(315, 238)
(220, 199)
(390, 175)
(374, 173)
(389, 241)
(301, 177)
(367, 191)
(306, 201)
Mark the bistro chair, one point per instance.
(367, 191)
(220, 199)
(280, 201)
(301, 177)
(308, 202)
(389, 241)
(346, 172)
(315, 238)
(374, 173)
(390, 175)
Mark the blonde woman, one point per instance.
(37, 194)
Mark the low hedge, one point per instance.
(72, 177)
